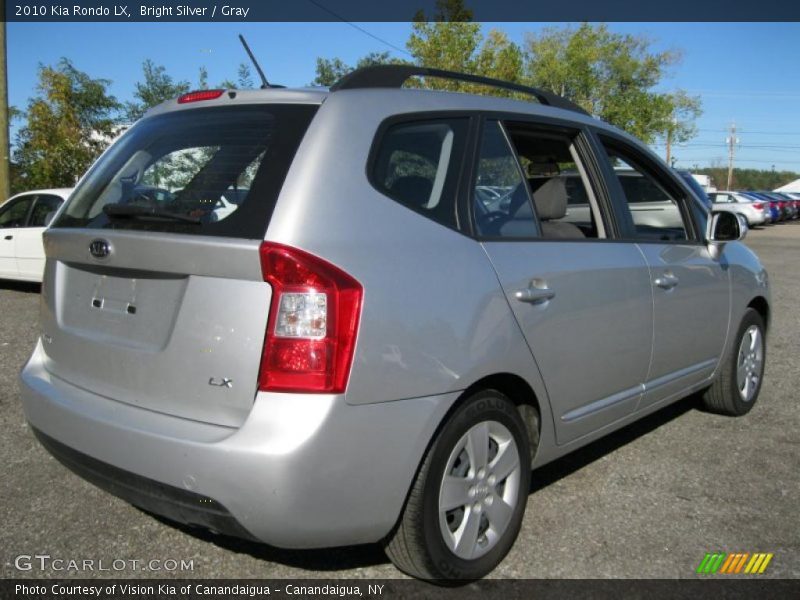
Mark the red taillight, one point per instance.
(313, 322)
(200, 95)
(758, 205)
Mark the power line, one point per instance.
(361, 29)
(753, 132)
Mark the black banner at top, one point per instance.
(128, 11)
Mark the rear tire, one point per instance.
(466, 504)
(736, 388)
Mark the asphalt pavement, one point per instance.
(648, 501)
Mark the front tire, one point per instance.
(467, 501)
(736, 388)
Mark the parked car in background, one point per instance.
(365, 347)
(23, 219)
(792, 203)
(785, 204)
(775, 211)
(752, 210)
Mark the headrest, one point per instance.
(551, 199)
(413, 190)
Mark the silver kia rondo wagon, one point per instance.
(325, 317)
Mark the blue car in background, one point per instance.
(774, 211)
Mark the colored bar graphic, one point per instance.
(726, 565)
(764, 564)
(733, 563)
(703, 563)
(740, 564)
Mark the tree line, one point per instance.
(613, 76)
(748, 179)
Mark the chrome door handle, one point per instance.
(535, 295)
(9, 237)
(666, 281)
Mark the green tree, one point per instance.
(202, 78)
(244, 77)
(68, 124)
(749, 179)
(156, 88)
(329, 71)
(611, 75)
(679, 125)
(450, 41)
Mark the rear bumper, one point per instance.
(303, 471)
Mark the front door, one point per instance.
(691, 297)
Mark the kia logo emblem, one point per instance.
(100, 248)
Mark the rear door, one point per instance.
(29, 244)
(691, 295)
(153, 290)
(13, 216)
(582, 300)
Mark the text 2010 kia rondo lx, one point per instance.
(319, 318)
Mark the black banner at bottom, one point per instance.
(217, 589)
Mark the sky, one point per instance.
(745, 73)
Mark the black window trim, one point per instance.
(662, 175)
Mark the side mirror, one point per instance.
(48, 218)
(725, 227)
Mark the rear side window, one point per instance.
(418, 163)
(200, 171)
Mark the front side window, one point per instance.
(562, 195)
(655, 212)
(416, 164)
(13, 214)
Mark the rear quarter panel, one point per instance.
(434, 318)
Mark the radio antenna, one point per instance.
(264, 83)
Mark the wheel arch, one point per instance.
(520, 393)
(761, 306)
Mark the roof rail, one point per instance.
(393, 76)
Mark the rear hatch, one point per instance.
(153, 291)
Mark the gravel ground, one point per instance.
(646, 502)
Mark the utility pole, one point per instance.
(669, 145)
(670, 131)
(732, 140)
(5, 182)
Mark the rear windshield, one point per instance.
(201, 171)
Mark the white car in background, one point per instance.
(23, 219)
(754, 211)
